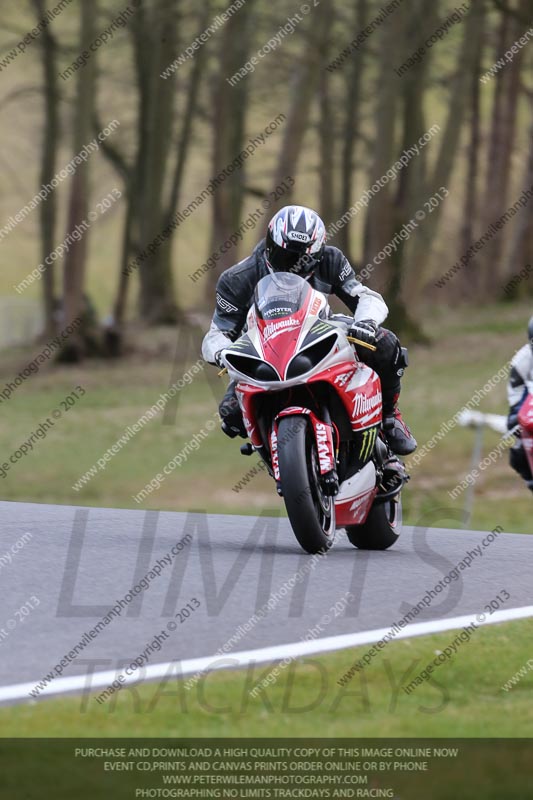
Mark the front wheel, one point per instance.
(311, 513)
(381, 528)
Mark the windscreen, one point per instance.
(280, 295)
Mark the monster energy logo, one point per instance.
(367, 445)
(318, 327)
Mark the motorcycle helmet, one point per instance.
(295, 241)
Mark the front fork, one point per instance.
(325, 447)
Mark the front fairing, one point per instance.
(286, 318)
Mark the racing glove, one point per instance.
(365, 330)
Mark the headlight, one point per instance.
(252, 367)
(311, 356)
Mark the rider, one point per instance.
(517, 391)
(295, 242)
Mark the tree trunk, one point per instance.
(48, 208)
(131, 176)
(189, 115)
(185, 135)
(504, 118)
(467, 283)
(328, 139)
(450, 138)
(411, 181)
(518, 256)
(380, 218)
(352, 125)
(119, 307)
(75, 259)
(304, 88)
(155, 48)
(230, 105)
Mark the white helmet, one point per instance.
(295, 241)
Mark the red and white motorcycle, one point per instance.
(313, 412)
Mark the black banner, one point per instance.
(402, 769)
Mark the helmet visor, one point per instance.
(293, 260)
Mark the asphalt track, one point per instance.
(80, 561)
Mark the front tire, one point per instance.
(381, 528)
(311, 513)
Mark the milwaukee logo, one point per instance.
(362, 405)
(273, 328)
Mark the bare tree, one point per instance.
(501, 143)
(48, 155)
(523, 230)
(327, 146)
(352, 102)
(230, 106)
(154, 29)
(129, 171)
(75, 259)
(448, 153)
(467, 284)
(304, 87)
(380, 219)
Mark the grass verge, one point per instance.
(462, 698)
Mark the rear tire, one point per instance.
(311, 513)
(381, 528)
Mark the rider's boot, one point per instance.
(399, 438)
(518, 461)
(231, 415)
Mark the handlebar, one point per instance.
(353, 340)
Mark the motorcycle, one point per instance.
(313, 412)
